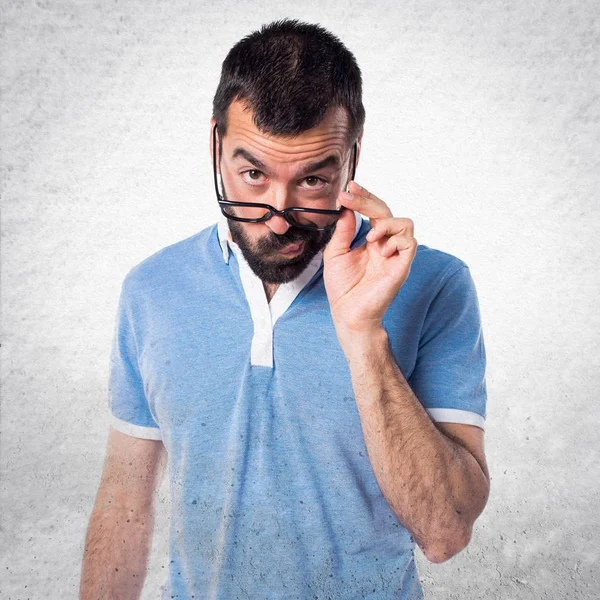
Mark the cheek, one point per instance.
(250, 232)
(232, 182)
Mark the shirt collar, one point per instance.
(225, 240)
(224, 237)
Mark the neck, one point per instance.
(270, 289)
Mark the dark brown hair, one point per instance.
(290, 73)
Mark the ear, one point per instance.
(359, 148)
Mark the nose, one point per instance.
(278, 225)
(281, 199)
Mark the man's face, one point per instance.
(283, 172)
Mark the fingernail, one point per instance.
(347, 195)
(371, 235)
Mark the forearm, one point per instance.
(117, 546)
(434, 485)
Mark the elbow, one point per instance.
(451, 536)
(444, 547)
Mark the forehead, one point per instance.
(330, 136)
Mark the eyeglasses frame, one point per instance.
(285, 213)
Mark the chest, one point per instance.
(196, 365)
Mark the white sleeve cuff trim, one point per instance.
(453, 415)
(149, 433)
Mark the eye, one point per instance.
(314, 182)
(253, 175)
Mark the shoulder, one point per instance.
(430, 270)
(173, 262)
(436, 266)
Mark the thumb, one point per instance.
(342, 236)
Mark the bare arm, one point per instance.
(434, 476)
(119, 535)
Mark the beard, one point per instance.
(264, 259)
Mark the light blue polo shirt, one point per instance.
(272, 492)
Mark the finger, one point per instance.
(365, 202)
(398, 243)
(342, 236)
(392, 226)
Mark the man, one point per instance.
(315, 378)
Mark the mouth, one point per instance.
(292, 249)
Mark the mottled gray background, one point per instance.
(482, 126)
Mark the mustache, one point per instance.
(291, 236)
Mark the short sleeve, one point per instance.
(129, 410)
(449, 374)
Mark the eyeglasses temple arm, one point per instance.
(214, 157)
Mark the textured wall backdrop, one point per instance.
(482, 126)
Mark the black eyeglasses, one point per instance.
(325, 219)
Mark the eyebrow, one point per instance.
(331, 160)
(251, 159)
